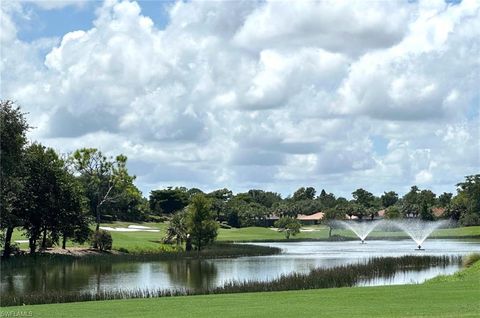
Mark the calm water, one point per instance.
(296, 257)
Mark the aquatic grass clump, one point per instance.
(471, 259)
(341, 276)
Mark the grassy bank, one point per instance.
(455, 296)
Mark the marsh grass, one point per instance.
(341, 276)
(470, 259)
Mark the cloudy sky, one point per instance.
(272, 95)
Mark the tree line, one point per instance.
(56, 197)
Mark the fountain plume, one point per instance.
(360, 228)
(419, 230)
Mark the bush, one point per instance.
(123, 250)
(470, 219)
(289, 226)
(157, 218)
(102, 240)
(393, 212)
(471, 259)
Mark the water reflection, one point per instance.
(201, 274)
(194, 274)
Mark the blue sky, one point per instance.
(56, 22)
(212, 94)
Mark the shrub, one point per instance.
(289, 226)
(157, 218)
(102, 240)
(123, 250)
(470, 219)
(393, 212)
(471, 259)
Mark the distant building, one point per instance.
(438, 211)
(312, 219)
(270, 220)
(381, 213)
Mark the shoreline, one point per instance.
(218, 250)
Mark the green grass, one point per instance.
(454, 296)
(321, 232)
(150, 242)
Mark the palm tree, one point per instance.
(177, 229)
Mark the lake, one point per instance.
(196, 274)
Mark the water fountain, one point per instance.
(419, 230)
(360, 228)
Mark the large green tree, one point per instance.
(73, 215)
(54, 203)
(105, 179)
(13, 140)
(389, 198)
(168, 201)
(467, 200)
(202, 228)
(364, 198)
(303, 193)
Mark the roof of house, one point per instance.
(437, 211)
(314, 217)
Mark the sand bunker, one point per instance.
(130, 228)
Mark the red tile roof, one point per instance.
(314, 217)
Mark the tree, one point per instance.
(445, 199)
(219, 206)
(265, 198)
(326, 200)
(355, 209)
(286, 208)
(13, 129)
(392, 212)
(54, 203)
(102, 178)
(467, 200)
(411, 203)
(427, 197)
(168, 200)
(201, 226)
(426, 213)
(389, 198)
(304, 194)
(332, 214)
(363, 198)
(177, 228)
(73, 212)
(39, 208)
(289, 226)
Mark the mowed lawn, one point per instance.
(454, 296)
(151, 241)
